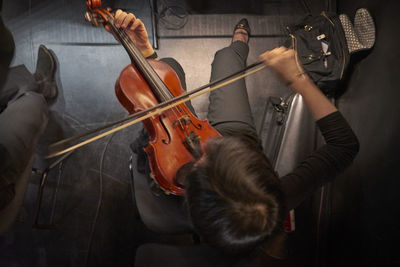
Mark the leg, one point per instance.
(21, 125)
(20, 80)
(229, 106)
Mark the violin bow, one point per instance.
(96, 16)
(156, 110)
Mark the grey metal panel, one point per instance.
(299, 137)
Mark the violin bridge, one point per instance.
(183, 121)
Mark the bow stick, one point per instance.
(143, 112)
(156, 110)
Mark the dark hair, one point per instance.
(233, 195)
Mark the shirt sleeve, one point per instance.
(324, 164)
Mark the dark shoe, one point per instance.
(45, 73)
(243, 24)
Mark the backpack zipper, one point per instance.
(343, 54)
(294, 44)
(324, 15)
(344, 61)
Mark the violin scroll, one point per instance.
(95, 14)
(92, 4)
(93, 18)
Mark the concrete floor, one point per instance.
(90, 60)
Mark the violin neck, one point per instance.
(158, 87)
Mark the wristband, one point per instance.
(152, 56)
(147, 51)
(297, 76)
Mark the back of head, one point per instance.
(233, 195)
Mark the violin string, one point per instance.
(186, 128)
(169, 102)
(155, 112)
(176, 111)
(127, 41)
(158, 106)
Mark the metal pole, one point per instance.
(153, 7)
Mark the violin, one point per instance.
(176, 136)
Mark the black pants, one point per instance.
(24, 118)
(229, 109)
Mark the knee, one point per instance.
(36, 105)
(227, 57)
(237, 52)
(39, 100)
(224, 52)
(173, 63)
(177, 68)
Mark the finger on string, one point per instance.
(117, 13)
(127, 21)
(136, 24)
(107, 27)
(119, 19)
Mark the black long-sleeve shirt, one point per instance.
(321, 166)
(324, 164)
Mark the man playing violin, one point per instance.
(235, 199)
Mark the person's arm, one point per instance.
(136, 31)
(324, 164)
(341, 143)
(286, 64)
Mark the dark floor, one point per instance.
(89, 61)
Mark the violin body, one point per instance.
(169, 131)
(176, 136)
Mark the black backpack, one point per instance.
(321, 46)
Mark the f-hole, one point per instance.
(165, 129)
(197, 126)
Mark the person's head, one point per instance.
(233, 195)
